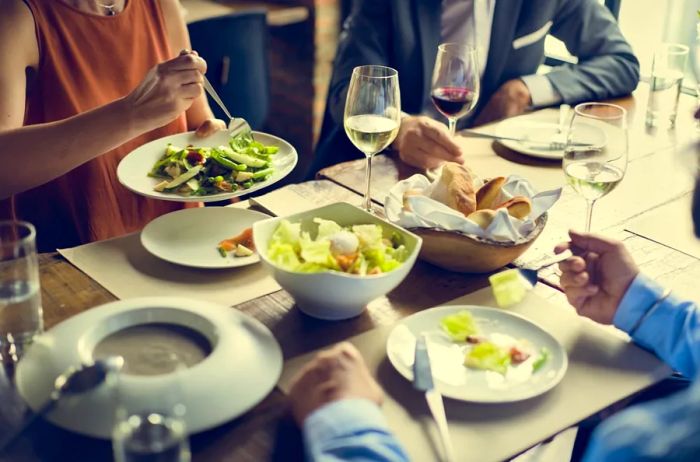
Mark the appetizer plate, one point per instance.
(459, 382)
(534, 129)
(190, 237)
(132, 171)
(241, 368)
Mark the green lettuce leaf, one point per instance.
(326, 228)
(287, 233)
(284, 256)
(488, 356)
(317, 251)
(370, 236)
(459, 326)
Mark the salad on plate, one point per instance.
(202, 171)
(495, 352)
(358, 249)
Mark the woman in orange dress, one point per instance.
(82, 83)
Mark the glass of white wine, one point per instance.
(595, 157)
(372, 114)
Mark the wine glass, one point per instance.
(372, 113)
(456, 82)
(595, 157)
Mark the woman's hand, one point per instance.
(168, 90)
(209, 127)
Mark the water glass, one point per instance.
(150, 430)
(20, 298)
(667, 72)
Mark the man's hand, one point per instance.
(596, 278)
(426, 143)
(335, 374)
(209, 127)
(512, 99)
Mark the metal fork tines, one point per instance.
(236, 124)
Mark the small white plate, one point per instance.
(133, 169)
(533, 129)
(457, 381)
(190, 237)
(243, 366)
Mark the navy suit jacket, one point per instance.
(404, 34)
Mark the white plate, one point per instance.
(456, 381)
(190, 237)
(133, 169)
(242, 368)
(527, 127)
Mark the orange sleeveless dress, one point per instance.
(87, 61)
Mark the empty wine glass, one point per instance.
(372, 113)
(456, 82)
(595, 157)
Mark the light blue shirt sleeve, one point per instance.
(668, 429)
(350, 430)
(671, 330)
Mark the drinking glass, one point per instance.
(456, 82)
(667, 70)
(153, 431)
(372, 114)
(595, 157)
(20, 297)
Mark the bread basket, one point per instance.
(467, 253)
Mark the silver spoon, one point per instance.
(72, 382)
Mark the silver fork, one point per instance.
(236, 125)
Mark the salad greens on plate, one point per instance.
(495, 352)
(358, 249)
(201, 171)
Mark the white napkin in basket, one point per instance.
(429, 211)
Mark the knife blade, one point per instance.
(423, 381)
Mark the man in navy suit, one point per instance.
(404, 34)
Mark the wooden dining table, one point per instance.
(658, 174)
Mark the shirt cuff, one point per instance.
(542, 92)
(343, 418)
(640, 296)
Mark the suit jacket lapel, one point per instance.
(505, 19)
(428, 22)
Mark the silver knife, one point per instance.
(423, 381)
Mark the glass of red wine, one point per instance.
(456, 81)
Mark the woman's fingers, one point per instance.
(209, 127)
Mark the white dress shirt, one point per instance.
(470, 22)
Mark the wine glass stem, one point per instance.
(589, 215)
(452, 123)
(368, 178)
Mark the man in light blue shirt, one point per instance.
(336, 400)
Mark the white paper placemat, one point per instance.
(123, 267)
(670, 225)
(603, 368)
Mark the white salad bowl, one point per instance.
(334, 295)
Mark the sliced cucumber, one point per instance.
(185, 177)
(250, 161)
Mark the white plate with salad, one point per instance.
(205, 237)
(480, 354)
(187, 168)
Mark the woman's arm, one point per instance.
(179, 39)
(34, 155)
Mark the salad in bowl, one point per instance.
(335, 259)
